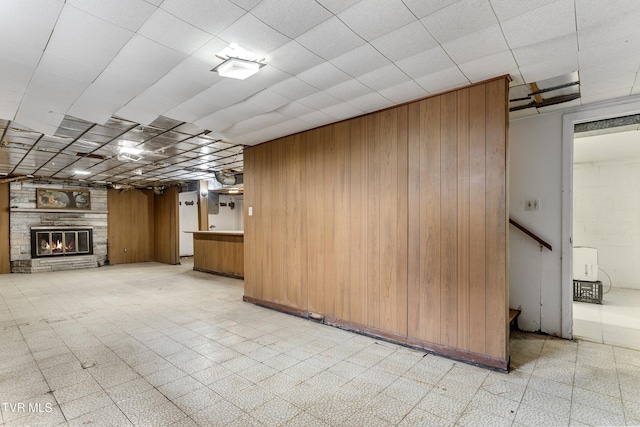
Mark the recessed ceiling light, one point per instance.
(238, 63)
(131, 150)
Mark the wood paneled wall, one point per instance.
(166, 227)
(131, 226)
(145, 224)
(393, 223)
(5, 252)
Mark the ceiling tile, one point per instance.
(342, 111)
(620, 68)
(16, 75)
(507, 9)
(490, 66)
(330, 39)
(293, 58)
(30, 22)
(337, 6)
(426, 62)
(9, 103)
(459, 19)
(295, 109)
(404, 42)
(404, 92)
(348, 90)
(557, 19)
(546, 51)
(269, 99)
(174, 33)
(85, 39)
(443, 80)
(293, 88)
(360, 60)
(476, 45)
(247, 4)
(211, 16)
(382, 78)
(323, 76)
(62, 90)
(277, 14)
(422, 8)
(130, 14)
(373, 18)
(319, 101)
(144, 60)
(317, 118)
(596, 12)
(253, 35)
(371, 102)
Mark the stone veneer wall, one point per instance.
(24, 215)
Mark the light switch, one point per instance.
(250, 210)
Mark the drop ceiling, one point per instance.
(79, 79)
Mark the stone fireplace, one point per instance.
(55, 239)
(61, 241)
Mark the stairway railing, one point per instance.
(531, 234)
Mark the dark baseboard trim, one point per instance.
(476, 359)
(219, 273)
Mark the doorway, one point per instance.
(606, 231)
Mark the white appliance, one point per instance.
(585, 264)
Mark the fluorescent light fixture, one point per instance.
(234, 191)
(82, 173)
(237, 68)
(131, 150)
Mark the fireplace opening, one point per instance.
(61, 241)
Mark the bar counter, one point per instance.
(219, 252)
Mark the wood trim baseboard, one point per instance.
(219, 273)
(481, 360)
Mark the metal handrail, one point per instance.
(529, 233)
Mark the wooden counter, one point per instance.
(219, 252)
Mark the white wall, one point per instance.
(541, 165)
(188, 220)
(606, 216)
(227, 218)
(536, 173)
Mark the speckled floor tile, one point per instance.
(196, 355)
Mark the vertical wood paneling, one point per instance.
(401, 225)
(294, 202)
(5, 252)
(430, 188)
(496, 198)
(341, 208)
(166, 227)
(373, 219)
(329, 180)
(250, 273)
(130, 226)
(401, 203)
(463, 219)
(448, 220)
(276, 216)
(477, 231)
(358, 218)
(315, 220)
(415, 299)
(388, 221)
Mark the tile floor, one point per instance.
(157, 345)
(616, 321)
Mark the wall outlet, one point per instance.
(532, 205)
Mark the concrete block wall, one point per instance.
(24, 215)
(606, 208)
